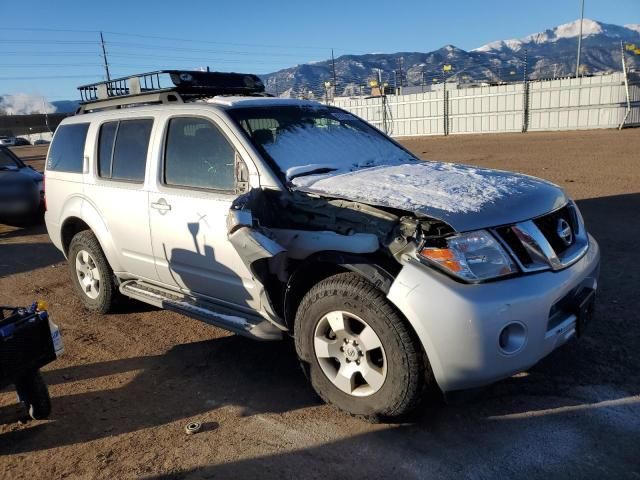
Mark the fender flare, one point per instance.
(89, 215)
(367, 266)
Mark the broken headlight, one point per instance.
(471, 256)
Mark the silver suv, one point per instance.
(278, 218)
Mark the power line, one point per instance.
(198, 59)
(50, 77)
(172, 39)
(143, 46)
(40, 53)
(49, 42)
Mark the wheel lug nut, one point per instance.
(342, 349)
(357, 362)
(361, 353)
(346, 340)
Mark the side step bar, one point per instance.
(250, 326)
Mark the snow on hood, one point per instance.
(465, 197)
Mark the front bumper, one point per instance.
(460, 324)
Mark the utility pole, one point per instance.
(46, 115)
(401, 72)
(525, 96)
(383, 98)
(580, 38)
(104, 57)
(335, 81)
(445, 125)
(626, 87)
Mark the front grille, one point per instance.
(538, 244)
(510, 238)
(548, 225)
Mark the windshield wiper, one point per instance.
(315, 171)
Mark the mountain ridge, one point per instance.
(551, 53)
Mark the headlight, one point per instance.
(471, 256)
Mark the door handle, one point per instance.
(161, 205)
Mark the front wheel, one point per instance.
(361, 354)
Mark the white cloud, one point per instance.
(25, 103)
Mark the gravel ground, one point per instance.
(129, 382)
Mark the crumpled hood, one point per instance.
(465, 197)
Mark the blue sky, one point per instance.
(59, 38)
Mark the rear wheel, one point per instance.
(91, 274)
(361, 354)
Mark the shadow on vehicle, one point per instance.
(200, 377)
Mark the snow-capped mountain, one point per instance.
(571, 30)
(551, 53)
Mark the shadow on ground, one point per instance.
(188, 380)
(515, 427)
(19, 257)
(455, 447)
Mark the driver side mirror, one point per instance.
(242, 175)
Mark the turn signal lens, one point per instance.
(41, 305)
(442, 256)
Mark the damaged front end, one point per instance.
(276, 232)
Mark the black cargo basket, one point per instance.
(25, 344)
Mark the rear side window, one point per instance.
(122, 149)
(198, 155)
(66, 153)
(6, 159)
(105, 148)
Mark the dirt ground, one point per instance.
(129, 382)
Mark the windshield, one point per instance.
(316, 139)
(6, 160)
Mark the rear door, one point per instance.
(116, 189)
(188, 211)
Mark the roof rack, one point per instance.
(166, 86)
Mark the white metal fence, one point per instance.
(563, 104)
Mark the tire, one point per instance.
(388, 381)
(91, 274)
(33, 392)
